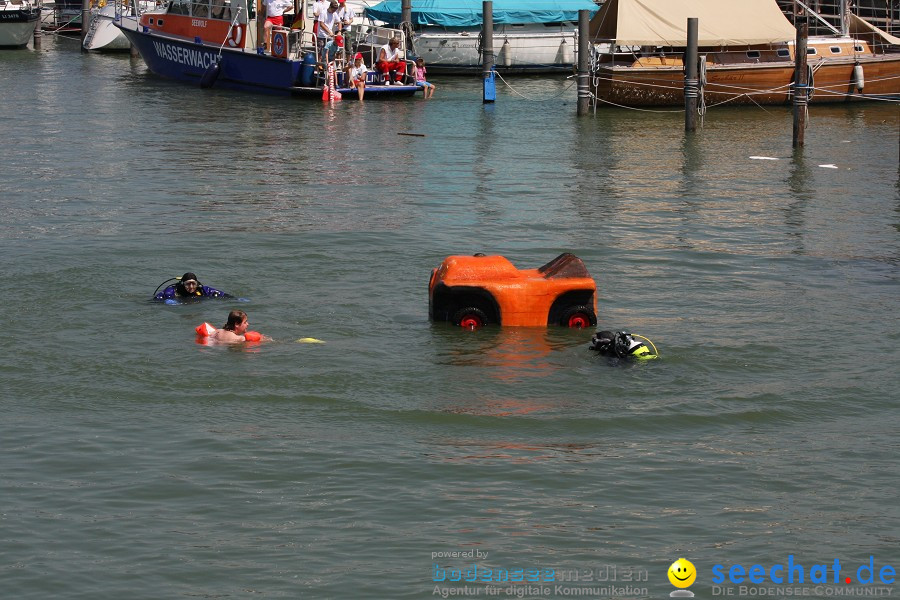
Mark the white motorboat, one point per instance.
(17, 22)
(530, 36)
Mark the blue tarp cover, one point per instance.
(467, 13)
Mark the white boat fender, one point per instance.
(859, 78)
(211, 74)
(505, 54)
(564, 56)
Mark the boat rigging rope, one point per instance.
(407, 28)
(513, 90)
(59, 28)
(230, 29)
(722, 89)
(701, 81)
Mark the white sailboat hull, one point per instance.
(534, 48)
(17, 22)
(103, 34)
(16, 34)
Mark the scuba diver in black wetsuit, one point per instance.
(623, 345)
(188, 287)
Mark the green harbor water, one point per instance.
(138, 464)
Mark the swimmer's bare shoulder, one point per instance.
(223, 335)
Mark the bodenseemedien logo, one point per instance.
(682, 574)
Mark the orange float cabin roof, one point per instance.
(503, 294)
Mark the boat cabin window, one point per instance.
(179, 7)
(221, 9)
(200, 8)
(835, 49)
(857, 48)
(752, 53)
(811, 51)
(784, 52)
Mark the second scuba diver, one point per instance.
(622, 345)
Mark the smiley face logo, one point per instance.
(682, 573)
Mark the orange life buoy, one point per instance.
(205, 330)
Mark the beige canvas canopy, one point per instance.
(863, 29)
(664, 22)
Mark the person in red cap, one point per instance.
(334, 46)
(356, 74)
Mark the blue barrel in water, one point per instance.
(308, 70)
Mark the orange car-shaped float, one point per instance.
(472, 291)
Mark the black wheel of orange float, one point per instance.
(470, 317)
(578, 317)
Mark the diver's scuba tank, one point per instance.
(623, 345)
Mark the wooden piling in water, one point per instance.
(85, 21)
(584, 61)
(801, 82)
(406, 21)
(691, 80)
(38, 34)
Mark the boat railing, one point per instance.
(299, 42)
(368, 39)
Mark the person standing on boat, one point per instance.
(319, 8)
(328, 22)
(275, 17)
(390, 62)
(346, 14)
(334, 47)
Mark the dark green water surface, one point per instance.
(138, 464)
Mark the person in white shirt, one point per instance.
(356, 75)
(390, 60)
(275, 17)
(328, 22)
(319, 9)
(346, 14)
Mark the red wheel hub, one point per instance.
(470, 322)
(579, 321)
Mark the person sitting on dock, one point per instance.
(274, 17)
(427, 88)
(390, 62)
(356, 75)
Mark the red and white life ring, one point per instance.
(234, 38)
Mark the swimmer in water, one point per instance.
(189, 287)
(235, 329)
